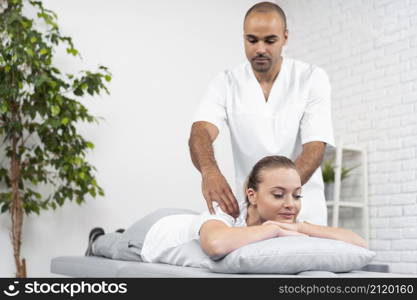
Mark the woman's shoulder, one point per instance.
(224, 217)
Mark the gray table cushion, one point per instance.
(82, 266)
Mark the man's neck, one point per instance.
(270, 76)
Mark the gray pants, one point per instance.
(128, 245)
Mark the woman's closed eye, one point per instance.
(279, 196)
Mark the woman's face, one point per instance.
(279, 195)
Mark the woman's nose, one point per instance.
(289, 201)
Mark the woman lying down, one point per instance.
(273, 195)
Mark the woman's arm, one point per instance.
(325, 232)
(332, 233)
(217, 239)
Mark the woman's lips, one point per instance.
(287, 216)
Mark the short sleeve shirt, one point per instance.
(174, 230)
(298, 111)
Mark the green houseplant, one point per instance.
(328, 173)
(39, 110)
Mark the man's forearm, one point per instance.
(309, 160)
(201, 150)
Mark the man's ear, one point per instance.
(286, 32)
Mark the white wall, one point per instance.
(369, 49)
(162, 55)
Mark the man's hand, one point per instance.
(214, 185)
(310, 159)
(215, 188)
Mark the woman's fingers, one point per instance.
(286, 226)
(270, 222)
(284, 232)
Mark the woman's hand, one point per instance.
(285, 228)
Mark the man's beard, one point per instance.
(261, 67)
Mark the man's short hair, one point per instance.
(265, 7)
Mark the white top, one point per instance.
(298, 111)
(174, 230)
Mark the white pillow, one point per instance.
(294, 254)
(282, 255)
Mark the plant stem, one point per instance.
(16, 210)
(16, 207)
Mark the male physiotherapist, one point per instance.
(272, 105)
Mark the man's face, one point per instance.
(264, 37)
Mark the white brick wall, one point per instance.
(369, 49)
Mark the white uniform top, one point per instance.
(175, 230)
(298, 111)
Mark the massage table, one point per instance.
(93, 266)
